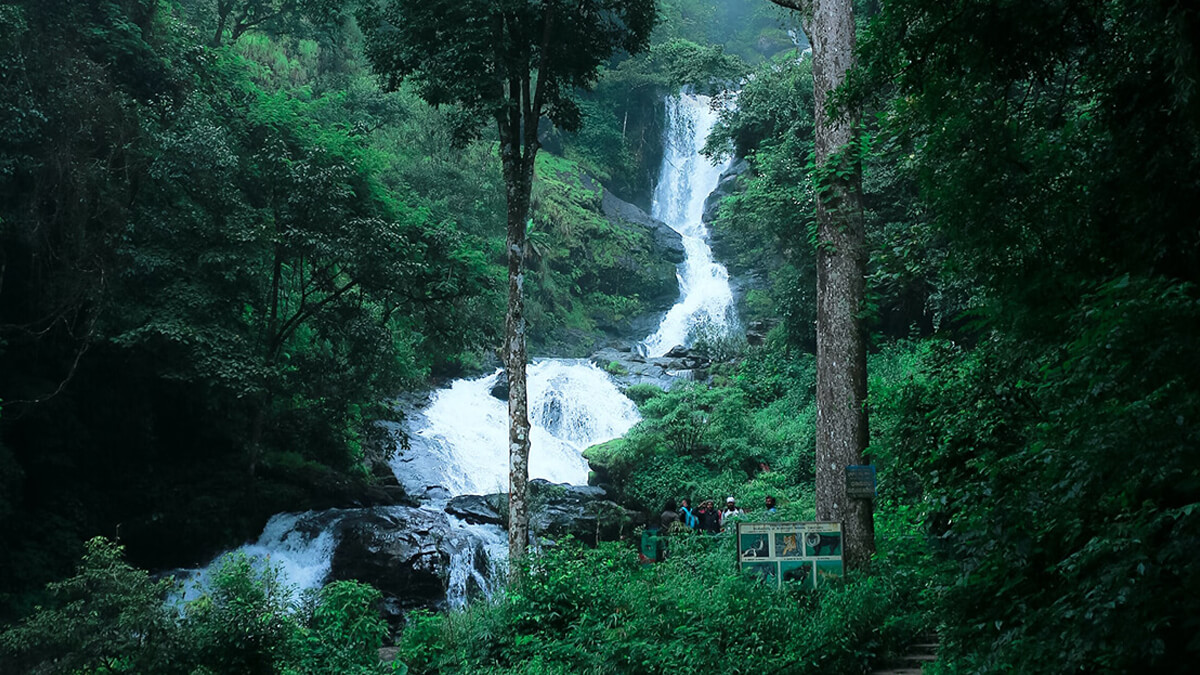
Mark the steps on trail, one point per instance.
(912, 662)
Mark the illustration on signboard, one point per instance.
(753, 545)
(823, 543)
(800, 571)
(788, 545)
(766, 570)
(829, 569)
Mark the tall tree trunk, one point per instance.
(518, 172)
(841, 287)
(841, 266)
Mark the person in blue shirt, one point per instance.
(685, 513)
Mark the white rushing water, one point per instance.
(686, 180)
(461, 437)
(459, 441)
(299, 545)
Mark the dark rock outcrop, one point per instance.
(395, 550)
(756, 332)
(630, 368)
(500, 389)
(415, 557)
(618, 210)
(556, 511)
(478, 509)
(726, 185)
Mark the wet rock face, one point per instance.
(726, 185)
(397, 550)
(500, 389)
(556, 510)
(478, 509)
(756, 332)
(618, 210)
(577, 510)
(630, 368)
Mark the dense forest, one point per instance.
(233, 245)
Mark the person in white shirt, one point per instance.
(731, 509)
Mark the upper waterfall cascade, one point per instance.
(686, 179)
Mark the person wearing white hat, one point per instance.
(731, 509)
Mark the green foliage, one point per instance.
(708, 440)
(768, 227)
(615, 368)
(752, 31)
(1043, 171)
(345, 631)
(205, 261)
(464, 53)
(575, 609)
(1063, 481)
(109, 617)
(640, 393)
(598, 274)
(112, 618)
(244, 624)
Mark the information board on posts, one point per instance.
(806, 553)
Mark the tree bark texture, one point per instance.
(518, 150)
(841, 266)
(515, 357)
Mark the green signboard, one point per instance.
(798, 552)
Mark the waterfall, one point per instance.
(686, 179)
(460, 440)
(299, 545)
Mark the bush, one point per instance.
(704, 440)
(345, 631)
(108, 617)
(575, 609)
(246, 622)
(1062, 481)
(111, 617)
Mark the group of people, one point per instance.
(705, 517)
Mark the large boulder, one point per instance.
(556, 510)
(500, 388)
(727, 185)
(559, 509)
(629, 368)
(620, 211)
(395, 550)
(411, 555)
(478, 509)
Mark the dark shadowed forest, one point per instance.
(246, 246)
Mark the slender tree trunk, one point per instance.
(841, 266)
(518, 172)
(224, 7)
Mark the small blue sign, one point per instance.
(860, 481)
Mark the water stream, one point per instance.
(458, 441)
(686, 179)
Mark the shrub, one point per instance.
(246, 622)
(108, 617)
(577, 609)
(111, 617)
